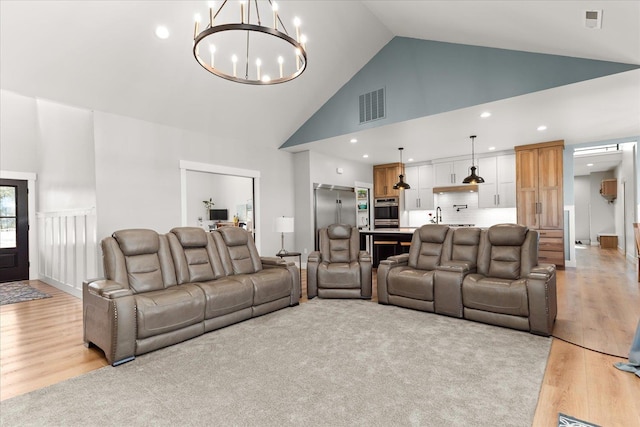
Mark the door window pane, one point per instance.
(7, 201)
(7, 233)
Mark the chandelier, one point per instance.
(248, 50)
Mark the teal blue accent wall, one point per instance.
(423, 78)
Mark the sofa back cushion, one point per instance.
(505, 242)
(237, 251)
(139, 259)
(430, 243)
(339, 243)
(195, 255)
(465, 243)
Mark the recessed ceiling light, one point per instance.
(162, 32)
(485, 115)
(492, 148)
(365, 156)
(589, 164)
(353, 140)
(409, 160)
(541, 128)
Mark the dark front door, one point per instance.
(14, 231)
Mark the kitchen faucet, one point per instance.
(438, 217)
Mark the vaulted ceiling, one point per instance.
(103, 55)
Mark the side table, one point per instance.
(299, 255)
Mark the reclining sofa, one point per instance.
(161, 289)
(486, 275)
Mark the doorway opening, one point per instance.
(14, 230)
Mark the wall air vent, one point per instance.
(372, 106)
(593, 19)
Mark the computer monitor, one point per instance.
(218, 214)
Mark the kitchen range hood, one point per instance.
(467, 188)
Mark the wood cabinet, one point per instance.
(451, 173)
(609, 189)
(539, 196)
(420, 196)
(499, 187)
(384, 178)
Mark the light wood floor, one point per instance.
(41, 343)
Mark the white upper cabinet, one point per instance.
(420, 196)
(451, 173)
(499, 187)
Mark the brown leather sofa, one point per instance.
(489, 275)
(339, 269)
(163, 289)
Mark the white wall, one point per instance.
(18, 132)
(66, 158)
(625, 204)
(138, 174)
(582, 195)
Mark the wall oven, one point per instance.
(386, 213)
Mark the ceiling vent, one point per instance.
(372, 106)
(593, 19)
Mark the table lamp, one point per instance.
(283, 225)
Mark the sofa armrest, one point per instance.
(463, 267)
(542, 271)
(383, 271)
(107, 288)
(275, 261)
(313, 260)
(109, 319)
(396, 260)
(314, 256)
(364, 256)
(541, 292)
(366, 279)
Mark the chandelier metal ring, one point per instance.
(255, 28)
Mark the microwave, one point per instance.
(386, 208)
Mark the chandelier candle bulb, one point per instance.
(297, 59)
(258, 64)
(234, 59)
(303, 41)
(296, 23)
(212, 48)
(280, 62)
(197, 27)
(275, 15)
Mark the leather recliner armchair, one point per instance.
(510, 288)
(339, 269)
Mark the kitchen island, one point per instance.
(386, 242)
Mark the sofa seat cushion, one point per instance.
(224, 296)
(339, 275)
(269, 284)
(495, 295)
(411, 283)
(167, 310)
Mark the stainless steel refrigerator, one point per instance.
(333, 205)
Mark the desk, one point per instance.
(299, 255)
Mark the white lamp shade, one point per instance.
(284, 224)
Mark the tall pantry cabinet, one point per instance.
(539, 197)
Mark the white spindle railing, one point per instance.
(68, 248)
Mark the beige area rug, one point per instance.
(322, 363)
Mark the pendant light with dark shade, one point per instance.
(473, 178)
(401, 185)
